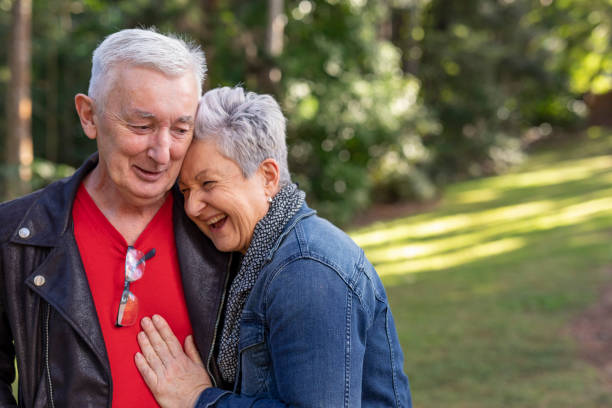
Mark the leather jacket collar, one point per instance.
(51, 215)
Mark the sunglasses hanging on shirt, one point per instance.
(134, 269)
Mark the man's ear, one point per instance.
(85, 109)
(271, 175)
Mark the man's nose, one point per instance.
(159, 151)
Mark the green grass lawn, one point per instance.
(484, 286)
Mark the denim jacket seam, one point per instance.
(392, 356)
(272, 276)
(347, 352)
(368, 309)
(351, 280)
(363, 268)
(303, 252)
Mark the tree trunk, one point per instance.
(403, 21)
(19, 149)
(268, 73)
(52, 111)
(276, 27)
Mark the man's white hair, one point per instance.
(248, 128)
(168, 54)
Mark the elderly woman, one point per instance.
(306, 322)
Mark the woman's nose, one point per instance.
(193, 204)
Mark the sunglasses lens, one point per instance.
(134, 264)
(128, 310)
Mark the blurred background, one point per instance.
(463, 144)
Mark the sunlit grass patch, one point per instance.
(451, 259)
(483, 287)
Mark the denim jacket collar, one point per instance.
(302, 213)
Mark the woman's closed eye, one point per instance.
(208, 184)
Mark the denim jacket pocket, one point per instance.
(254, 357)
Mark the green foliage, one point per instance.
(44, 172)
(490, 74)
(348, 103)
(386, 101)
(581, 31)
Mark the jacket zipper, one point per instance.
(214, 340)
(47, 314)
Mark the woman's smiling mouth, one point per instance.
(217, 221)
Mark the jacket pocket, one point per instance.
(254, 357)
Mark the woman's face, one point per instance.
(224, 204)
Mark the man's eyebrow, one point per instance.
(143, 114)
(185, 119)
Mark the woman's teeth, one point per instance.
(215, 220)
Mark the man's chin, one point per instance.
(150, 194)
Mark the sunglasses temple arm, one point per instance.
(146, 257)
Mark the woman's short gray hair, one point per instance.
(248, 128)
(147, 48)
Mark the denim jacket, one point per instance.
(316, 330)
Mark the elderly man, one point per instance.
(84, 258)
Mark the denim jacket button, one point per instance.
(39, 280)
(24, 232)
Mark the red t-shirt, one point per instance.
(159, 291)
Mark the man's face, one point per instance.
(143, 132)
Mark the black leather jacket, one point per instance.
(47, 315)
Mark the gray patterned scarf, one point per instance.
(284, 206)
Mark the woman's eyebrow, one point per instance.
(205, 174)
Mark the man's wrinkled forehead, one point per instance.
(121, 80)
(144, 114)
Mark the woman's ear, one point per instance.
(271, 176)
(85, 109)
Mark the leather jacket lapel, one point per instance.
(61, 281)
(205, 279)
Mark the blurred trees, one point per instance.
(386, 100)
(18, 153)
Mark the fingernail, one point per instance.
(157, 318)
(146, 321)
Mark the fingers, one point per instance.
(156, 341)
(153, 360)
(148, 374)
(174, 346)
(174, 380)
(192, 351)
